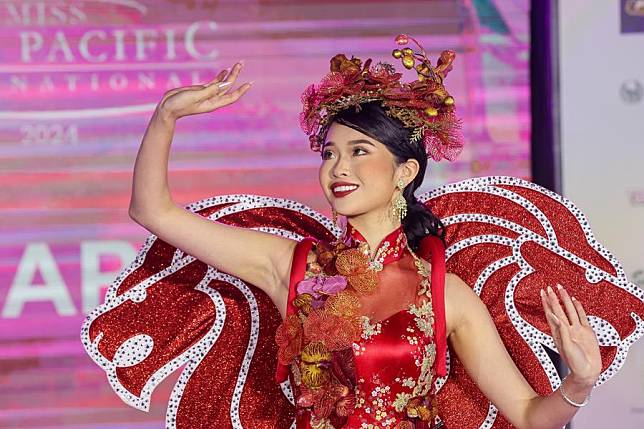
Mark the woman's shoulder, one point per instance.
(457, 289)
(462, 304)
(454, 281)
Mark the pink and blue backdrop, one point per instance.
(78, 83)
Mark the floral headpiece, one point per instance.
(424, 105)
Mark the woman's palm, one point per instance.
(581, 351)
(574, 338)
(195, 99)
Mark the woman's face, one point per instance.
(358, 174)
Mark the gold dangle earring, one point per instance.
(335, 216)
(399, 208)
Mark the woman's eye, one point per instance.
(327, 154)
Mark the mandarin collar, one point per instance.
(390, 249)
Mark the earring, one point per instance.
(335, 216)
(399, 208)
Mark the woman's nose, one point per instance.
(340, 168)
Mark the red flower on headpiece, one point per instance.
(346, 77)
(310, 101)
(446, 142)
(445, 63)
(336, 84)
(406, 98)
(340, 63)
(384, 74)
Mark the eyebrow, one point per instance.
(351, 142)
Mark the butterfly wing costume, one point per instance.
(325, 365)
(507, 238)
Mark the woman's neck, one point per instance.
(373, 230)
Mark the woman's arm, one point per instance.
(476, 341)
(256, 257)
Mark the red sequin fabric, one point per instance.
(507, 238)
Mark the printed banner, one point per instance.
(78, 83)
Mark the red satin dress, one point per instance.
(402, 344)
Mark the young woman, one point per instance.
(359, 334)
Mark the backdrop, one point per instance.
(602, 106)
(78, 82)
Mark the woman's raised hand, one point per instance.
(194, 99)
(572, 334)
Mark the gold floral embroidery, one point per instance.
(358, 349)
(401, 401)
(370, 329)
(424, 317)
(321, 424)
(426, 377)
(377, 403)
(409, 382)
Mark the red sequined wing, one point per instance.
(168, 310)
(508, 238)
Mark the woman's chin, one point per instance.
(343, 210)
(347, 214)
(348, 209)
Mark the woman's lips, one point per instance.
(340, 191)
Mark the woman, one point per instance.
(359, 334)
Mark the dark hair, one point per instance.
(372, 120)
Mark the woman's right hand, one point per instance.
(194, 99)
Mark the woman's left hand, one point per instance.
(575, 339)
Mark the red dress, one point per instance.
(401, 343)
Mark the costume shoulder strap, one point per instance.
(432, 249)
(298, 269)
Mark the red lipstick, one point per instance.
(342, 189)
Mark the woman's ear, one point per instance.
(408, 170)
